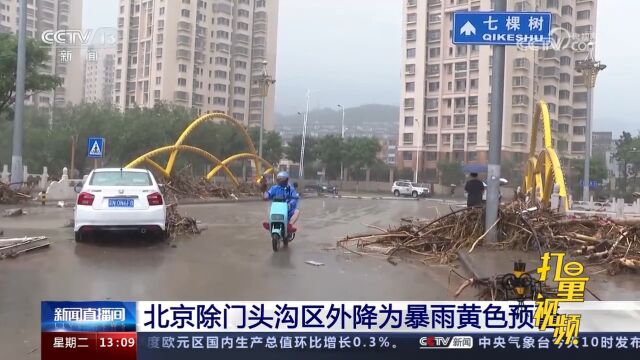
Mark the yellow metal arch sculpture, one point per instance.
(543, 171)
(173, 151)
(199, 121)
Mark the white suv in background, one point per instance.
(407, 188)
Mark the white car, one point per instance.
(407, 188)
(119, 199)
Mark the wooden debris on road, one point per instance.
(9, 196)
(12, 247)
(598, 241)
(178, 224)
(181, 186)
(13, 212)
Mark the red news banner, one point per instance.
(88, 330)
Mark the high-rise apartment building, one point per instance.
(51, 15)
(446, 89)
(99, 74)
(205, 54)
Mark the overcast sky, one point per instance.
(348, 52)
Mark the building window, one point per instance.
(473, 101)
(565, 78)
(563, 128)
(412, 17)
(461, 66)
(434, 52)
(472, 138)
(408, 121)
(550, 90)
(584, 14)
(410, 69)
(411, 35)
(434, 86)
(239, 90)
(407, 155)
(219, 74)
(565, 60)
(520, 100)
(221, 60)
(407, 139)
(522, 63)
(219, 101)
(579, 112)
(433, 35)
(580, 97)
(518, 138)
(567, 26)
(240, 77)
(578, 130)
(223, 21)
(185, 13)
(182, 82)
(410, 87)
(431, 139)
(238, 103)
(473, 120)
(221, 34)
(553, 4)
(520, 119)
(158, 80)
(446, 139)
(577, 146)
(411, 53)
(182, 68)
(431, 156)
(408, 103)
(432, 121)
(461, 85)
(473, 65)
(552, 108)
(564, 94)
(567, 10)
(243, 26)
(433, 69)
(431, 104)
(241, 64)
(219, 87)
(243, 13)
(162, 10)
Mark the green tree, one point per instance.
(292, 150)
(330, 151)
(450, 173)
(37, 55)
(360, 153)
(272, 149)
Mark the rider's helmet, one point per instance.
(282, 178)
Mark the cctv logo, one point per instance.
(446, 342)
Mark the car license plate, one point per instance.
(121, 203)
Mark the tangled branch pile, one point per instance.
(599, 241)
(178, 224)
(9, 196)
(181, 186)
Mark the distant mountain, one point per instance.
(372, 120)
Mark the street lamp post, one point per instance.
(589, 69)
(304, 135)
(415, 174)
(18, 129)
(342, 135)
(265, 80)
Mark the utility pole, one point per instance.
(495, 135)
(304, 135)
(265, 81)
(18, 130)
(589, 69)
(342, 135)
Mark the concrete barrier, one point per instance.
(63, 189)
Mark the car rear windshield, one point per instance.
(120, 178)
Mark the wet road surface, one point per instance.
(231, 260)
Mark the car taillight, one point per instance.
(85, 198)
(154, 199)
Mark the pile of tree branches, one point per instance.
(9, 196)
(178, 224)
(597, 241)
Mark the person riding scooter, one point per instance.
(282, 190)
